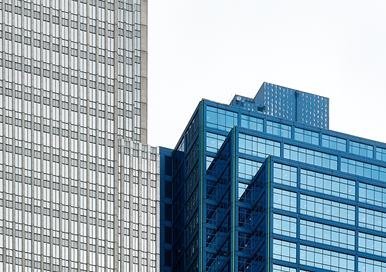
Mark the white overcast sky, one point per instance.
(215, 48)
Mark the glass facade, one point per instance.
(279, 193)
(72, 86)
(293, 105)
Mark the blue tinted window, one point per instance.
(248, 168)
(310, 156)
(326, 259)
(260, 147)
(181, 146)
(284, 225)
(372, 244)
(334, 143)
(220, 119)
(252, 123)
(366, 265)
(372, 195)
(284, 200)
(208, 161)
(363, 169)
(280, 268)
(312, 110)
(285, 174)
(307, 136)
(284, 251)
(241, 188)
(278, 129)
(214, 142)
(327, 209)
(328, 235)
(360, 149)
(372, 219)
(380, 154)
(327, 184)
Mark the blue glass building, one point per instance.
(262, 184)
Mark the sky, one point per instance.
(215, 49)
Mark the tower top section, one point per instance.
(289, 104)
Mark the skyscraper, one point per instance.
(262, 184)
(78, 183)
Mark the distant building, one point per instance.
(263, 185)
(79, 186)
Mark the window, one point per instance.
(284, 225)
(260, 147)
(326, 259)
(328, 235)
(360, 149)
(366, 265)
(278, 129)
(284, 200)
(372, 195)
(380, 154)
(280, 268)
(327, 184)
(310, 156)
(208, 161)
(284, 174)
(326, 209)
(363, 169)
(284, 251)
(220, 119)
(372, 219)
(372, 244)
(214, 142)
(252, 123)
(248, 168)
(307, 136)
(334, 143)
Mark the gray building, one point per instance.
(79, 186)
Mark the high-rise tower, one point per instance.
(78, 183)
(263, 185)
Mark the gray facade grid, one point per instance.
(73, 91)
(138, 202)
